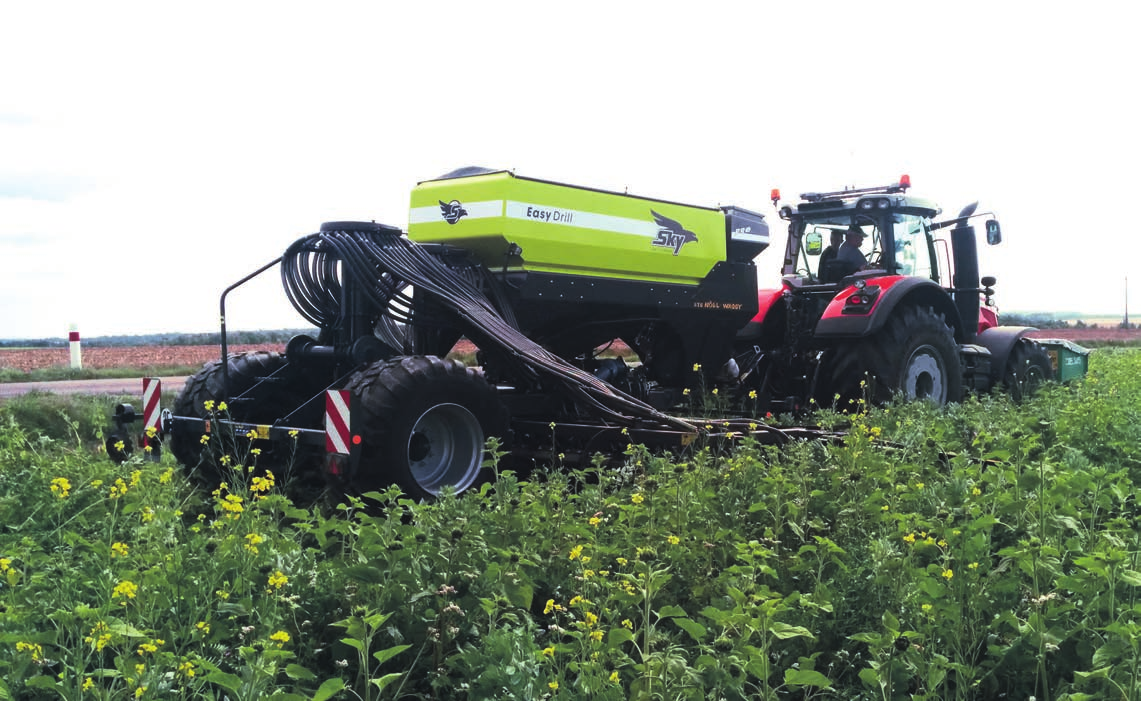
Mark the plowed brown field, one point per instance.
(30, 359)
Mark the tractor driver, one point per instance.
(850, 258)
(828, 257)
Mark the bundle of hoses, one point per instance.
(386, 263)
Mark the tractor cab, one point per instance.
(891, 229)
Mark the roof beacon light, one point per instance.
(904, 181)
(774, 195)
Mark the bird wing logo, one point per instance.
(671, 234)
(452, 211)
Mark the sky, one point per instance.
(152, 154)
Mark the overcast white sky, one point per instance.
(153, 153)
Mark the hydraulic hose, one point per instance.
(386, 264)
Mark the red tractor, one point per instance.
(897, 311)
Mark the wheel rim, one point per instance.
(925, 375)
(445, 448)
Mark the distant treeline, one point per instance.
(166, 339)
(1045, 321)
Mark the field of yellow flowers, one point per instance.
(972, 552)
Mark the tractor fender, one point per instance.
(769, 319)
(893, 291)
(1000, 341)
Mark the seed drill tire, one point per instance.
(206, 385)
(914, 353)
(423, 424)
(1027, 368)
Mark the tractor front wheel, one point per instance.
(424, 422)
(913, 355)
(1027, 368)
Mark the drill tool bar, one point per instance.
(385, 264)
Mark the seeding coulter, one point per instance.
(542, 277)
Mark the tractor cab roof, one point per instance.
(866, 200)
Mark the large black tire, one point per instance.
(206, 385)
(1026, 369)
(423, 425)
(914, 355)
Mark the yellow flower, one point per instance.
(614, 677)
(594, 521)
(975, 491)
(5, 564)
(549, 607)
(203, 627)
(697, 367)
(637, 499)
(221, 594)
(591, 619)
(119, 549)
(150, 647)
(622, 561)
(628, 624)
(294, 433)
(548, 652)
(166, 476)
(752, 395)
(553, 686)
(209, 404)
(204, 439)
(88, 683)
(135, 477)
(262, 484)
(280, 637)
(186, 668)
(947, 574)
(673, 540)
(714, 391)
(926, 608)
(251, 434)
(885, 507)
(587, 574)
(34, 649)
(277, 580)
(919, 485)
(685, 392)
(222, 406)
(252, 542)
(909, 538)
(596, 636)
(575, 552)
(61, 487)
(575, 601)
(125, 589)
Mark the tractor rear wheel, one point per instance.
(914, 355)
(1027, 368)
(206, 386)
(424, 421)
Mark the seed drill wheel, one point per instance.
(914, 354)
(206, 385)
(424, 421)
(1027, 368)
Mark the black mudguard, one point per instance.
(1000, 341)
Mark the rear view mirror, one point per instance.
(813, 244)
(993, 232)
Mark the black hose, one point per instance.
(386, 264)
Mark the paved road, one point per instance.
(128, 386)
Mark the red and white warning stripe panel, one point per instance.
(152, 412)
(337, 421)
